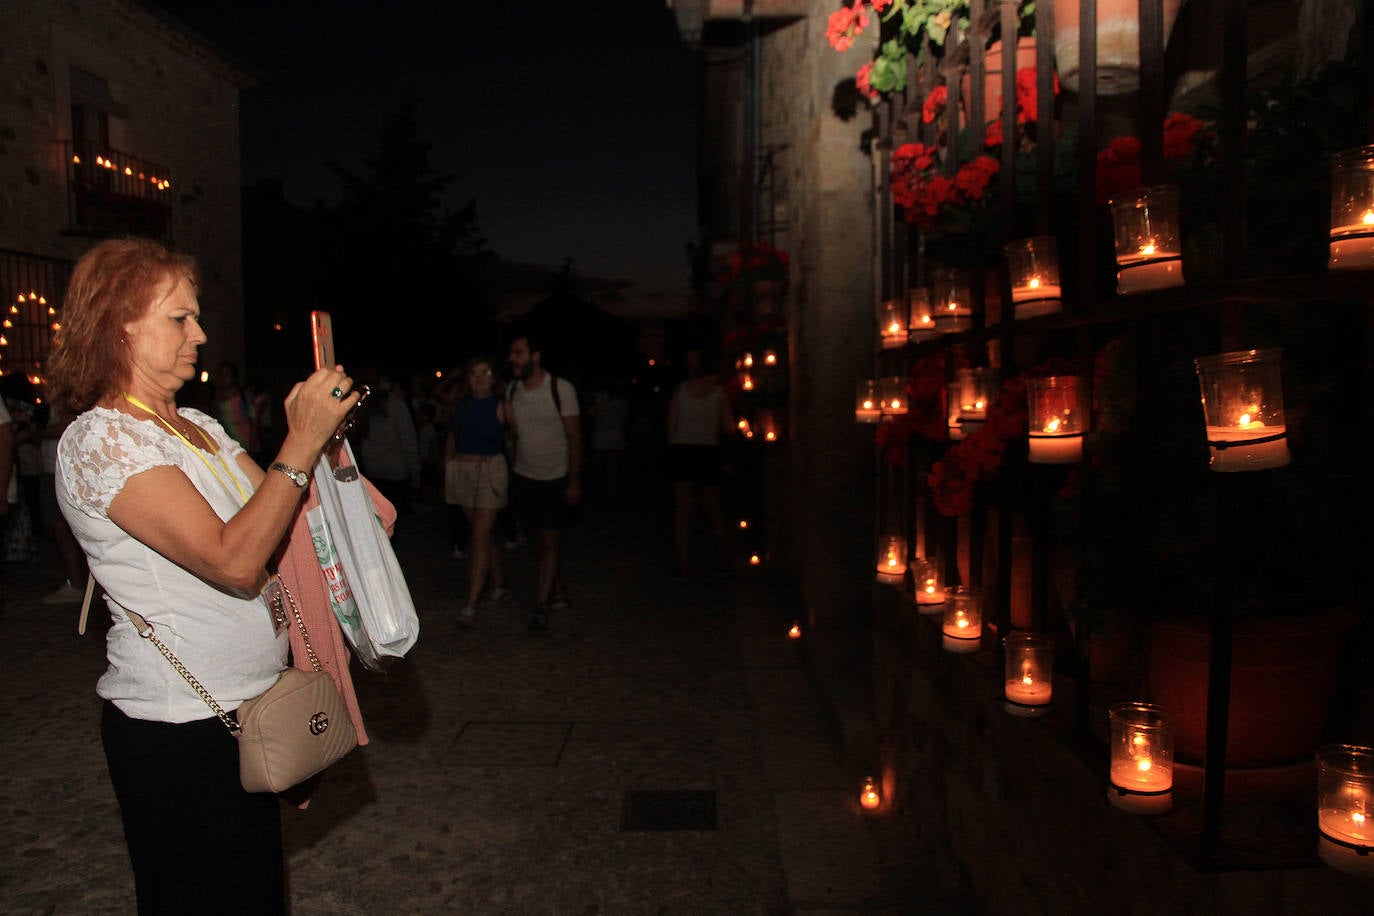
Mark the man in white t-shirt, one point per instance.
(547, 478)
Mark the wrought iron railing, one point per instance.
(112, 192)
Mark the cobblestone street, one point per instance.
(498, 773)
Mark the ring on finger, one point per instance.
(337, 394)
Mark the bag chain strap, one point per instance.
(145, 629)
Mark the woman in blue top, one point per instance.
(475, 478)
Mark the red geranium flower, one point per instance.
(846, 24)
(935, 104)
(861, 81)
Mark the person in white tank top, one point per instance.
(697, 417)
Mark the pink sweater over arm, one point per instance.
(300, 570)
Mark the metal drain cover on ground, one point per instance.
(680, 810)
(508, 744)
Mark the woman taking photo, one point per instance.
(178, 524)
(475, 479)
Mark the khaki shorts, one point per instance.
(481, 484)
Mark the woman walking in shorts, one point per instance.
(475, 479)
(697, 417)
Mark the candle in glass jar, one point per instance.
(962, 626)
(1028, 673)
(892, 558)
(1345, 803)
(894, 335)
(866, 409)
(1149, 269)
(1142, 758)
(930, 593)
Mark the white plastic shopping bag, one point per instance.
(369, 564)
(340, 595)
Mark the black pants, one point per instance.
(199, 842)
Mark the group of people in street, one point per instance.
(184, 520)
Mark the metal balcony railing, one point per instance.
(115, 193)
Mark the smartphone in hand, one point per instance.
(322, 334)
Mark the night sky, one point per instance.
(572, 124)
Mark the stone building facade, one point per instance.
(115, 120)
(983, 812)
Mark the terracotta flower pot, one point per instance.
(1283, 679)
(1118, 43)
(992, 79)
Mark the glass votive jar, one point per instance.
(921, 324)
(962, 626)
(892, 323)
(1033, 269)
(929, 585)
(1029, 673)
(1148, 253)
(892, 559)
(1345, 808)
(866, 409)
(975, 393)
(952, 301)
(892, 396)
(1142, 758)
(1352, 210)
(1242, 401)
(1057, 416)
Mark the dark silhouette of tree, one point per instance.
(408, 275)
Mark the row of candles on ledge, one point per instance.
(1142, 735)
(1242, 401)
(1149, 256)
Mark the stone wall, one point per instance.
(1011, 814)
(182, 105)
(825, 194)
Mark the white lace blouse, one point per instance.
(227, 642)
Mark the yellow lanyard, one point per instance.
(200, 453)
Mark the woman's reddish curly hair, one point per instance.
(113, 284)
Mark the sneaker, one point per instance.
(539, 621)
(459, 553)
(498, 596)
(558, 601)
(66, 593)
(467, 618)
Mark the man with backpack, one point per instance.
(546, 481)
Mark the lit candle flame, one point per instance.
(1357, 816)
(926, 319)
(868, 403)
(1052, 426)
(1034, 283)
(930, 586)
(869, 798)
(1147, 248)
(748, 359)
(1368, 220)
(894, 328)
(961, 621)
(794, 632)
(754, 559)
(770, 358)
(979, 405)
(1143, 764)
